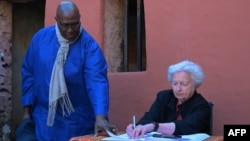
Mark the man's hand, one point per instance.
(27, 112)
(102, 124)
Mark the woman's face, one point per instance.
(183, 86)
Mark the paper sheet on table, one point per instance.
(124, 137)
(196, 137)
(148, 137)
(110, 133)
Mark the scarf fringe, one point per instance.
(66, 106)
(52, 113)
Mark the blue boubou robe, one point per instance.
(86, 78)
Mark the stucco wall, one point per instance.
(5, 70)
(213, 33)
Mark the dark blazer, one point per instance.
(195, 113)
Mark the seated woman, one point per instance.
(180, 110)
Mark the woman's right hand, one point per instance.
(139, 131)
(130, 130)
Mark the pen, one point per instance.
(134, 121)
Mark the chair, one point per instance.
(211, 104)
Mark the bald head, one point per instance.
(67, 8)
(68, 20)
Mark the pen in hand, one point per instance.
(134, 121)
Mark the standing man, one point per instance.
(65, 89)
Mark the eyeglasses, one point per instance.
(67, 26)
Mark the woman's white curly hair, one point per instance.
(190, 67)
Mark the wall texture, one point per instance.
(5, 70)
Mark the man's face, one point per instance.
(69, 26)
(183, 86)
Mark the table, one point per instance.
(87, 138)
(215, 138)
(98, 138)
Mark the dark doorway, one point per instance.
(27, 19)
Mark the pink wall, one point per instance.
(91, 16)
(213, 33)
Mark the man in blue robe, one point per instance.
(65, 89)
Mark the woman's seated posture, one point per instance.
(180, 110)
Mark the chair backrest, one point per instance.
(211, 104)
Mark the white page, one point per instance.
(122, 137)
(110, 133)
(196, 137)
(148, 137)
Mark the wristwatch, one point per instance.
(156, 124)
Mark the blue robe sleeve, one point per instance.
(96, 80)
(27, 77)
